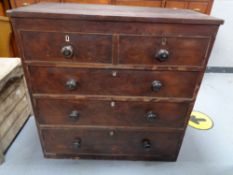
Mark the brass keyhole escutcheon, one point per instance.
(111, 133)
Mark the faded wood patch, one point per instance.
(8, 104)
(21, 117)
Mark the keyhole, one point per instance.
(67, 38)
(164, 41)
(113, 104)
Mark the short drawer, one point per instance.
(90, 1)
(21, 3)
(175, 4)
(112, 82)
(77, 47)
(49, 0)
(199, 6)
(144, 3)
(111, 113)
(171, 51)
(77, 142)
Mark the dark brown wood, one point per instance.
(97, 86)
(203, 6)
(123, 113)
(114, 142)
(143, 50)
(112, 13)
(102, 82)
(87, 47)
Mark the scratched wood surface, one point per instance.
(203, 6)
(112, 13)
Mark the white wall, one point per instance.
(222, 54)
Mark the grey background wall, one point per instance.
(221, 54)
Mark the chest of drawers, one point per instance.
(112, 82)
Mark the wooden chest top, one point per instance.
(112, 13)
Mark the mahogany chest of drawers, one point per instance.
(112, 82)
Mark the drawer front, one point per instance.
(144, 3)
(20, 3)
(111, 113)
(49, 0)
(114, 142)
(112, 82)
(175, 4)
(199, 6)
(90, 1)
(148, 50)
(52, 46)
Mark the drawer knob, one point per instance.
(74, 115)
(146, 144)
(77, 143)
(156, 85)
(151, 116)
(71, 84)
(162, 55)
(67, 51)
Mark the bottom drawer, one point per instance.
(106, 142)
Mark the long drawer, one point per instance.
(55, 80)
(111, 113)
(78, 142)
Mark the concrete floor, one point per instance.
(203, 152)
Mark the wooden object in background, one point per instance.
(2, 10)
(2, 159)
(4, 5)
(203, 6)
(14, 104)
(7, 43)
(112, 82)
(6, 47)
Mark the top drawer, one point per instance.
(55, 46)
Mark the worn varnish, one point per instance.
(203, 6)
(112, 82)
(111, 113)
